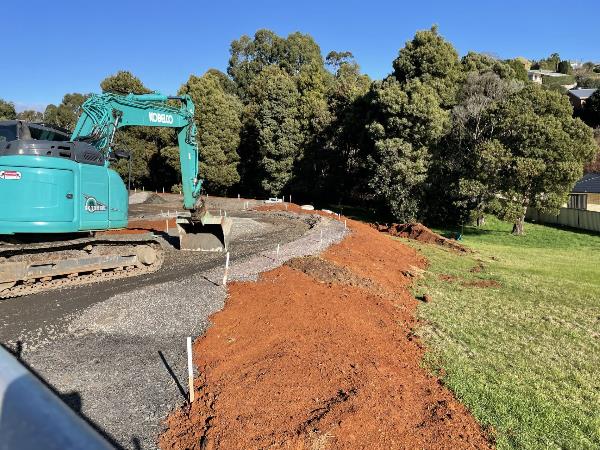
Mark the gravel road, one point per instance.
(116, 351)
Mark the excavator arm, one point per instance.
(103, 114)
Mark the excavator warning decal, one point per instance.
(92, 205)
(10, 175)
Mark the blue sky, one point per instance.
(54, 47)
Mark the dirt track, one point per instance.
(321, 353)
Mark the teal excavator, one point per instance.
(57, 193)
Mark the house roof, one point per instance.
(547, 73)
(590, 183)
(582, 93)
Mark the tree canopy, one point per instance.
(67, 112)
(591, 110)
(7, 110)
(218, 123)
(547, 149)
(441, 138)
(273, 116)
(123, 82)
(30, 115)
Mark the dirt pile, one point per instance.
(421, 233)
(321, 353)
(146, 198)
(328, 272)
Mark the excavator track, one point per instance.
(27, 269)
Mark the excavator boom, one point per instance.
(103, 114)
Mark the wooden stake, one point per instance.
(167, 226)
(344, 224)
(190, 369)
(321, 240)
(226, 269)
(277, 250)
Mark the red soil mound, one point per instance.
(321, 354)
(421, 233)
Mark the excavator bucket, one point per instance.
(204, 232)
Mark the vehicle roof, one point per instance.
(582, 93)
(38, 125)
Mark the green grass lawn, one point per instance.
(525, 356)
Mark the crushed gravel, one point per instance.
(121, 360)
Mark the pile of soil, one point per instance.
(321, 353)
(328, 272)
(292, 207)
(146, 198)
(421, 233)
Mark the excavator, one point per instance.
(57, 195)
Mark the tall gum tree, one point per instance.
(345, 134)
(274, 116)
(408, 114)
(406, 119)
(473, 162)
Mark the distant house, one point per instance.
(576, 65)
(537, 75)
(578, 97)
(586, 193)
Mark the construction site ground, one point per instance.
(322, 353)
(115, 351)
(312, 347)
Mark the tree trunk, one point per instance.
(518, 227)
(480, 220)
